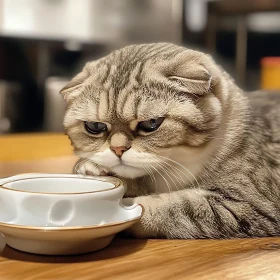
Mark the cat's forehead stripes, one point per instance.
(104, 107)
(118, 89)
(125, 67)
(130, 106)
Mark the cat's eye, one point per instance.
(150, 125)
(95, 127)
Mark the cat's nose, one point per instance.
(119, 150)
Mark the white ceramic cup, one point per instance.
(60, 200)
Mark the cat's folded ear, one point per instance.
(72, 89)
(192, 75)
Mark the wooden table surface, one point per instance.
(127, 258)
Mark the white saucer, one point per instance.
(62, 214)
(65, 240)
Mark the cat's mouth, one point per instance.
(126, 170)
(125, 165)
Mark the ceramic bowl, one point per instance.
(63, 214)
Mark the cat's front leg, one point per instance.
(201, 213)
(86, 167)
(169, 215)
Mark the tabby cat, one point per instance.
(202, 157)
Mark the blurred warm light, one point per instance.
(270, 73)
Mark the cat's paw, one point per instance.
(89, 168)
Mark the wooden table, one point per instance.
(127, 258)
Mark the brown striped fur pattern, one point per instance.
(211, 170)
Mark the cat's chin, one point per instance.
(129, 172)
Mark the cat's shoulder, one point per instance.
(265, 106)
(263, 98)
(265, 102)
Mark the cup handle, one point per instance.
(127, 202)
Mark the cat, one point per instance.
(199, 154)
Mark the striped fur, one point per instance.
(212, 169)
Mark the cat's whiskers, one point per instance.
(146, 167)
(182, 166)
(166, 181)
(177, 170)
(164, 168)
(151, 175)
(168, 172)
(147, 170)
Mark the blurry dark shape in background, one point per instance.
(43, 43)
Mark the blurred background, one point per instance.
(43, 43)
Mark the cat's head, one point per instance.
(126, 110)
